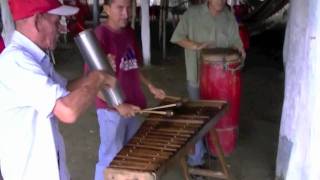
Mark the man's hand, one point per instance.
(241, 51)
(193, 45)
(127, 110)
(199, 46)
(108, 80)
(158, 93)
(102, 79)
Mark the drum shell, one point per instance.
(220, 79)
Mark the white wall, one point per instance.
(299, 142)
(145, 32)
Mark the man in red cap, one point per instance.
(34, 97)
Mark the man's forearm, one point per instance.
(143, 79)
(69, 108)
(187, 44)
(76, 83)
(192, 45)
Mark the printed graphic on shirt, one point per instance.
(129, 61)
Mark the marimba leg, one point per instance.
(220, 153)
(208, 172)
(184, 168)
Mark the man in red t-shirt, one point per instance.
(118, 41)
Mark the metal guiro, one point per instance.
(96, 59)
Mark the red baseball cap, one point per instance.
(21, 9)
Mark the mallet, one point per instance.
(174, 98)
(164, 113)
(178, 104)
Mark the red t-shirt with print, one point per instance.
(123, 45)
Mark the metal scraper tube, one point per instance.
(96, 59)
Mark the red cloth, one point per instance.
(76, 24)
(1, 44)
(241, 11)
(245, 36)
(75, 27)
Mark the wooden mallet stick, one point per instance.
(174, 98)
(164, 113)
(164, 106)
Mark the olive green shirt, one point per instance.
(197, 24)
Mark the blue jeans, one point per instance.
(115, 132)
(197, 158)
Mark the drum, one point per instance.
(220, 80)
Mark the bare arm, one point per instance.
(158, 93)
(83, 91)
(188, 44)
(76, 83)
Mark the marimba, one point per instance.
(162, 141)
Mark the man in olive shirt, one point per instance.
(207, 25)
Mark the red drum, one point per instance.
(220, 80)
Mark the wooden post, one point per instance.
(160, 20)
(95, 12)
(164, 30)
(145, 31)
(134, 14)
(184, 168)
(298, 151)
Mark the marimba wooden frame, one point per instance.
(179, 156)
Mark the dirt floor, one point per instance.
(260, 113)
